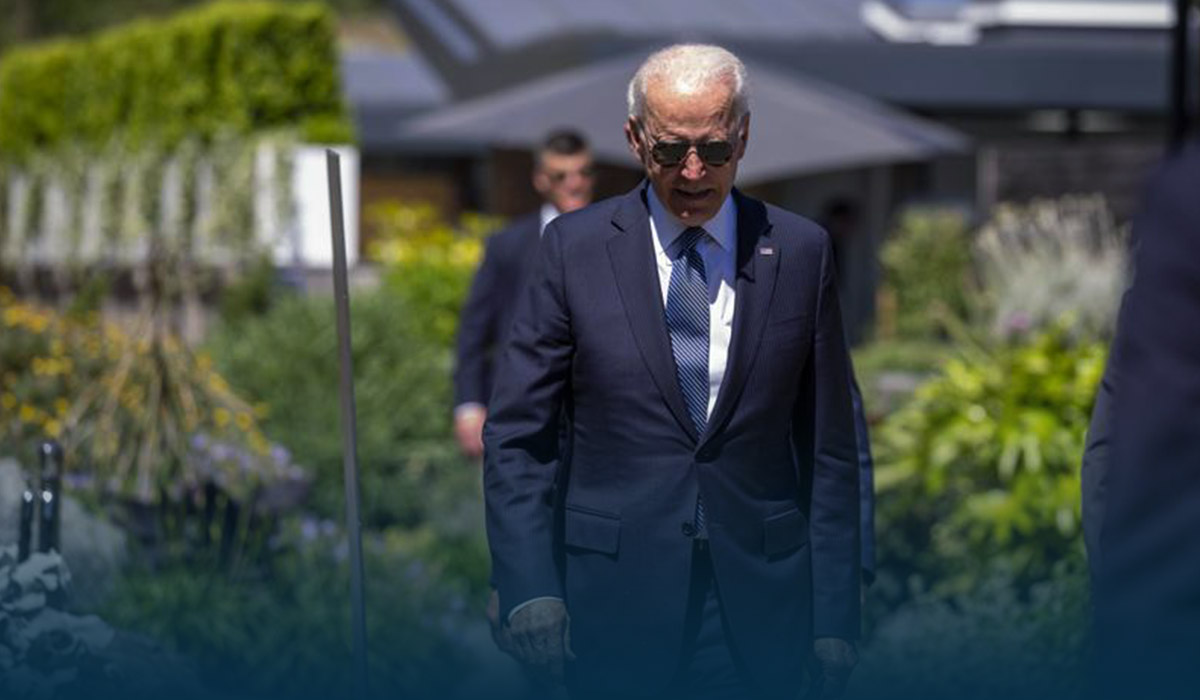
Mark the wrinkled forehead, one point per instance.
(674, 106)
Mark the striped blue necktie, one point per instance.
(688, 325)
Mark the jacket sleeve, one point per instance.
(477, 332)
(834, 526)
(866, 482)
(521, 438)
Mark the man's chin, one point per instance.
(694, 209)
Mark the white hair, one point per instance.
(690, 66)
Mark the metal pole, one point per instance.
(50, 509)
(1178, 127)
(341, 295)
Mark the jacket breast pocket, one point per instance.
(590, 529)
(784, 532)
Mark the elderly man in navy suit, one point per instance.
(710, 508)
(564, 176)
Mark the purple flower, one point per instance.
(221, 452)
(1019, 322)
(280, 454)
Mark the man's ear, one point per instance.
(632, 138)
(541, 182)
(743, 135)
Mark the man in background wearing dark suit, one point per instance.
(1148, 587)
(563, 175)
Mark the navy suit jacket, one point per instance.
(777, 463)
(488, 310)
(1148, 596)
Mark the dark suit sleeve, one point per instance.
(522, 448)
(834, 522)
(866, 482)
(1094, 470)
(477, 331)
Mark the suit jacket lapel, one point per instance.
(632, 256)
(757, 265)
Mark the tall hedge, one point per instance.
(228, 67)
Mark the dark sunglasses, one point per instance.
(559, 176)
(671, 153)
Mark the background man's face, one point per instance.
(692, 190)
(565, 181)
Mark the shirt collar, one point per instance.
(722, 227)
(549, 213)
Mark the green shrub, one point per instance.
(287, 360)
(979, 472)
(429, 262)
(242, 67)
(127, 407)
(991, 643)
(927, 267)
(284, 631)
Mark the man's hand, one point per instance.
(468, 430)
(541, 636)
(835, 658)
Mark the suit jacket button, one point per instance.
(689, 530)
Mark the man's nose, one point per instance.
(692, 167)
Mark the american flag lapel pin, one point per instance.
(766, 250)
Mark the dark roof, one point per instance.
(1087, 74)
(797, 125)
(512, 23)
(478, 46)
(386, 88)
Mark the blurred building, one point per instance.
(875, 104)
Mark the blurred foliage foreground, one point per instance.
(228, 473)
(982, 588)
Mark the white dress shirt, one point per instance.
(718, 249)
(548, 213)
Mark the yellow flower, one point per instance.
(8, 401)
(244, 422)
(53, 428)
(61, 406)
(221, 416)
(27, 414)
(37, 322)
